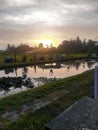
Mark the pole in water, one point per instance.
(96, 83)
(51, 72)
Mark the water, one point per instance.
(46, 72)
(59, 69)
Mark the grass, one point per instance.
(76, 86)
(78, 55)
(30, 59)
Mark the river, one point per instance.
(43, 73)
(59, 69)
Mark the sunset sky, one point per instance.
(31, 20)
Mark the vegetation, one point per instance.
(60, 94)
(78, 46)
(68, 50)
(8, 60)
(66, 47)
(65, 92)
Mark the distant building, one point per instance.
(83, 115)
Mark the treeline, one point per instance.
(67, 46)
(78, 46)
(19, 49)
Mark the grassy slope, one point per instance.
(77, 86)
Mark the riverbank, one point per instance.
(13, 85)
(33, 108)
(37, 62)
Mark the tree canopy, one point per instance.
(67, 46)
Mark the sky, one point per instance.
(25, 21)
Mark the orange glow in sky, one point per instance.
(46, 41)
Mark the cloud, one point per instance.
(31, 18)
(50, 12)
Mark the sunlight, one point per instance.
(46, 43)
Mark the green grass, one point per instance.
(30, 59)
(31, 56)
(78, 55)
(77, 86)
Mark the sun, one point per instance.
(46, 40)
(46, 43)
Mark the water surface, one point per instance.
(59, 69)
(42, 73)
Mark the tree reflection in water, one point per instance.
(11, 75)
(24, 72)
(51, 72)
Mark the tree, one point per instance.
(41, 45)
(10, 48)
(24, 58)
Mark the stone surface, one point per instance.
(83, 115)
